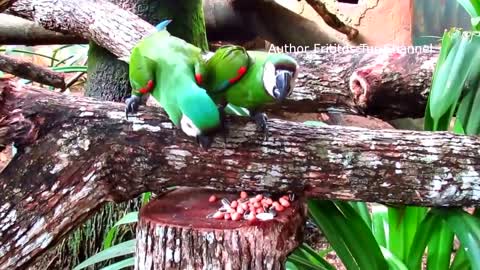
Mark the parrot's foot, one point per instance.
(132, 105)
(261, 121)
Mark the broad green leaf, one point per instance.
(121, 249)
(291, 266)
(308, 253)
(348, 234)
(131, 217)
(460, 262)
(396, 232)
(471, 6)
(475, 23)
(379, 224)
(467, 229)
(448, 86)
(425, 230)
(121, 264)
(325, 215)
(362, 209)
(473, 123)
(359, 237)
(302, 263)
(440, 248)
(394, 263)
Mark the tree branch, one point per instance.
(95, 155)
(16, 31)
(331, 20)
(30, 71)
(379, 83)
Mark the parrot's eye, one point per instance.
(188, 127)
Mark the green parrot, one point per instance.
(249, 79)
(165, 67)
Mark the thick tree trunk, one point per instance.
(172, 231)
(95, 155)
(381, 83)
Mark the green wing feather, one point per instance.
(224, 66)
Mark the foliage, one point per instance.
(403, 234)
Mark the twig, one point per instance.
(332, 20)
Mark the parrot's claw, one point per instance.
(132, 105)
(261, 121)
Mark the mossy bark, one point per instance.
(108, 77)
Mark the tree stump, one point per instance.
(175, 233)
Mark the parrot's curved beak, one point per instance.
(205, 141)
(283, 84)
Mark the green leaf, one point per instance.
(131, 217)
(425, 230)
(302, 263)
(146, 197)
(127, 247)
(467, 229)
(67, 69)
(379, 224)
(291, 266)
(448, 86)
(309, 254)
(325, 215)
(394, 263)
(440, 248)
(121, 264)
(471, 6)
(475, 23)
(460, 262)
(448, 40)
(362, 209)
(348, 234)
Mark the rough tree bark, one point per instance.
(95, 155)
(173, 233)
(18, 31)
(380, 83)
(31, 71)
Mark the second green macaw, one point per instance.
(249, 79)
(165, 67)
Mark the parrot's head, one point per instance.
(280, 72)
(200, 117)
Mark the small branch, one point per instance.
(18, 31)
(30, 71)
(332, 20)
